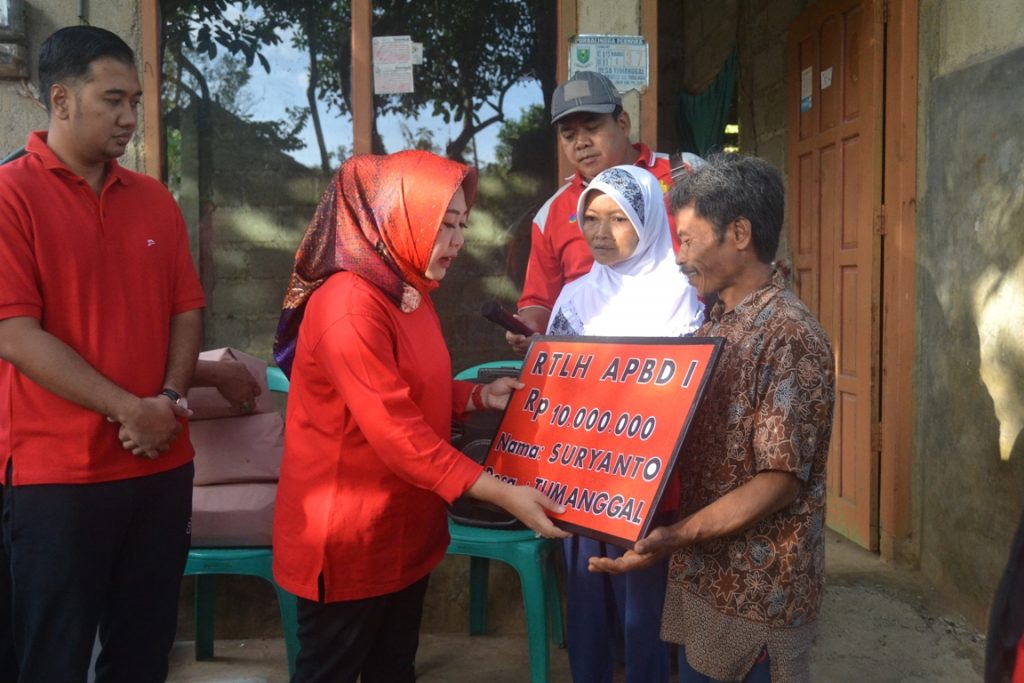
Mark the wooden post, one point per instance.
(566, 30)
(648, 132)
(362, 77)
(896, 495)
(152, 136)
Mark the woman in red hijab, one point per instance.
(368, 469)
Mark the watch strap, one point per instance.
(171, 394)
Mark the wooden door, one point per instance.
(834, 158)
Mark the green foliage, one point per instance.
(421, 138)
(322, 28)
(205, 26)
(534, 118)
(474, 52)
(228, 78)
(172, 151)
(281, 135)
(340, 154)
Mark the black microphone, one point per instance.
(494, 312)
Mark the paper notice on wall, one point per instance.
(392, 65)
(806, 88)
(826, 78)
(417, 54)
(623, 59)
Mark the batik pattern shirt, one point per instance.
(768, 407)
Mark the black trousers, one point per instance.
(8, 660)
(107, 556)
(375, 638)
(1006, 620)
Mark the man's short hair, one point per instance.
(732, 186)
(67, 54)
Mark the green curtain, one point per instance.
(702, 117)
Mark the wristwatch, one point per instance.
(177, 398)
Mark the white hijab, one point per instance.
(643, 296)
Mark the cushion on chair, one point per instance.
(207, 403)
(232, 515)
(236, 450)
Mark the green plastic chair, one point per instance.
(206, 563)
(534, 559)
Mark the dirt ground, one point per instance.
(880, 625)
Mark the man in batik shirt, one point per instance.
(747, 570)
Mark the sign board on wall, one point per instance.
(623, 59)
(392, 65)
(599, 424)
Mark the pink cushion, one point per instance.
(206, 403)
(233, 515)
(235, 450)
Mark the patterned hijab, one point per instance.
(644, 295)
(378, 219)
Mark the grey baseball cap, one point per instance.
(587, 91)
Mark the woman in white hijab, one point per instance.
(638, 292)
(634, 289)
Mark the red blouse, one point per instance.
(368, 468)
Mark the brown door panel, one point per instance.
(834, 151)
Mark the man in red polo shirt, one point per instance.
(593, 134)
(100, 325)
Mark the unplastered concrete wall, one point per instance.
(261, 204)
(22, 112)
(969, 457)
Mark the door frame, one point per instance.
(849, 307)
(896, 224)
(897, 537)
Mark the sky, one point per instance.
(285, 86)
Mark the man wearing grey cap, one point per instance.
(593, 134)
